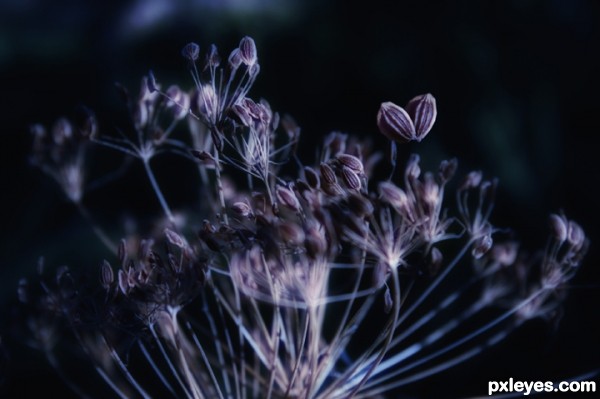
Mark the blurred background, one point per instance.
(516, 85)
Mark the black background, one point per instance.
(516, 84)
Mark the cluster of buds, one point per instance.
(61, 152)
(272, 294)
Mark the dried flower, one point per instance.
(269, 289)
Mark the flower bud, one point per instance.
(447, 169)
(291, 233)
(393, 194)
(208, 101)
(235, 59)
(190, 51)
(351, 162)
(287, 197)
(473, 179)
(559, 227)
(423, 111)
(62, 131)
(327, 174)
(576, 235)
(359, 205)
(312, 178)
(106, 275)
(248, 51)
(351, 179)
(395, 123)
(174, 238)
(481, 246)
(413, 171)
(151, 82)
(242, 209)
(212, 57)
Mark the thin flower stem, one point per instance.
(434, 284)
(155, 367)
(390, 334)
(156, 188)
(220, 191)
(128, 375)
(169, 361)
(488, 326)
(206, 361)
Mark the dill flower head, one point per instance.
(271, 291)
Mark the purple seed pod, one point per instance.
(106, 275)
(351, 162)
(248, 51)
(423, 112)
(395, 123)
(327, 174)
(351, 178)
(190, 51)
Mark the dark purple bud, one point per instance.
(174, 93)
(395, 123)
(576, 236)
(473, 179)
(291, 233)
(106, 275)
(312, 178)
(123, 282)
(559, 225)
(235, 59)
(62, 131)
(387, 299)
(447, 169)
(423, 111)
(242, 209)
(174, 238)
(302, 188)
(429, 191)
(190, 51)
(254, 70)
(252, 108)
(332, 189)
(505, 253)
(248, 51)
(242, 115)
(481, 246)
(122, 251)
(140, 115)
(351, 179)
(151, 82)
(315, 242)
(202, 156)
(327, 174)
(413, 171)
(287, 197)
(212, 57)
(397, 198)
(360, 205)
(351, 162)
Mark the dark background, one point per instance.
(516, 84)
